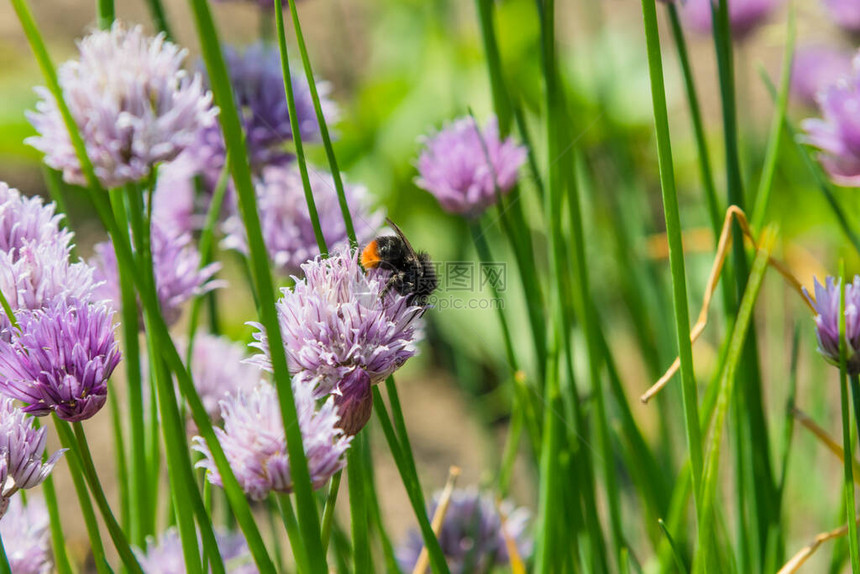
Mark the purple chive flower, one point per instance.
(837, 134)
(255, 444)
(815, 68)
(286, 221)
(164, 556)
(745, 16)
(35, 269)
(258, 86)
(335, 322)
(178, 275)
(472, 536)
(60, 360)
(26, 537)
(39, 275)
(826, 304)
(134, 105)
(27, 220)
(219, 369)
(454, 166)
(846, 14)
(21, 449)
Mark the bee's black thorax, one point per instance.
(412, 274)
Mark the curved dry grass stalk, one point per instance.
(732, 213)
(438, 518)
(803, 555)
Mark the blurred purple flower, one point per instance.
(286, 221)
(254, 441)
(335, 321)
(26, 537)
(454, 166)
(164, 556)
(134, 105)
(258, 86)
(178, 275)
(21, 449)
(837, 134)
(175, 205)
(219, 370)
(826, 304)
(472, 536)
(745, 16)
(815, 68)
(846, 14)
(60, 360)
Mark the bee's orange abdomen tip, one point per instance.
(370, 255)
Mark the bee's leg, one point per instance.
(391, 283)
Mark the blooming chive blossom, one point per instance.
(132, 102)
(38, 275)
(814, 69)
(35, 269)
(837, 134)
(286, 222)
(826, 305)
(178, 275)
(219, 370)
(335, 321)
(60, 360)
(472, 536)
(745, 16)
(454, 166)
(21, 449)
(26, 537)
(27, 220)
(255, 444)
(164, 556)
(846, 14)
(258, 86)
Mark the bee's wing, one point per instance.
(402, 236)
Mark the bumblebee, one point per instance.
(412, 273)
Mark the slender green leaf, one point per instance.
(233, 135)
(676, 249)
(726, 392)
(321, 121)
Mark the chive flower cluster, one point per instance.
(35, 265)
(133, 103)
(340, 333)
(826, 305)
(219, 370)
(26, 537)
(837, 133)
(164, 554)
(745, 16)
(254, 441)
(845, 13)
(58, 351)
(466, 168)
(176, 264)
(815, 69)
(21, 448)
(474, 537)
(286, 222)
